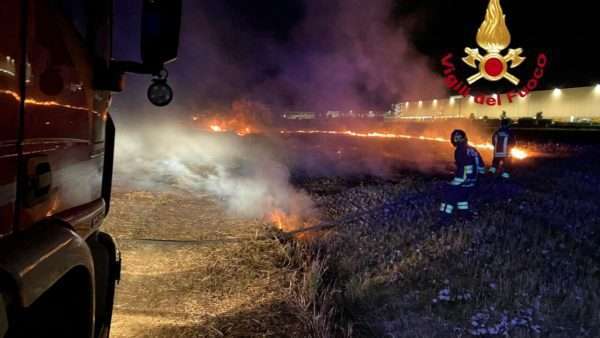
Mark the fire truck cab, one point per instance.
(58, 270)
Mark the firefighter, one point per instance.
(469, 165)
(503, 142)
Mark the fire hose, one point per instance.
(387, 207)
(412, 199)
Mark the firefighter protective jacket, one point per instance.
(503, 141)
(469, 164)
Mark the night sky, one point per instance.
(344, 54)
(565, 30)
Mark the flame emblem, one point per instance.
(493, 36)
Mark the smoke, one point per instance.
(244, 174)
(293, 55)
(353, 56)
(317, 56)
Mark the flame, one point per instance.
(278, 218)
(517, 153)
(493, 35)
(220, 125)
(244, 117)
(216, 128)
(287, 222)
(293, 222)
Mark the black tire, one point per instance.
(105, 287)
(4, 324)
(63, 311)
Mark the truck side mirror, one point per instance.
(161, 23)
(160, 93)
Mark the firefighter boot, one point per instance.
(443, 222)
(466, 215)
(464, 212)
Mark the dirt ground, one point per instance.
(190, 271)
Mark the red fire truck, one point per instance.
(58, 270)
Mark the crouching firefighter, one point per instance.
(457, 193)
(503, 141)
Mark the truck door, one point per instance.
(64, 167)
(9, 109)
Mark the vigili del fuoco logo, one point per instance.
(493, 64)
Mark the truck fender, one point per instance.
(3, 316)
(37, 258)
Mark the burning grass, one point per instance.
(191, 271)
(528, 266)
(517, 152)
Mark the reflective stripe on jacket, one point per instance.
(503, 141)
(469, 164)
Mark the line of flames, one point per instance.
(516, 152)
(287, 222)
(219, 129)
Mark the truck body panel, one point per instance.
(56, 158)
(40, 256)
(9, 110)
(64, 116)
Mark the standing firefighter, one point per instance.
(503, 141)
(469, 165)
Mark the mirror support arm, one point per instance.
(135, 67)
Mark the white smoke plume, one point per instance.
(339, 54)
(244, 174)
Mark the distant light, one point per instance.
(557, 92)
(471, 99)
(435, 102)
(597, 89)
(452, 100)
(195, 118)
(420, 103)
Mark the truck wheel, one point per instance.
(106, 274)
(103, 288)
(63, 311)
(3, 315)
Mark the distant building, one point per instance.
(333, 114)
(300, 116)
(568, 104)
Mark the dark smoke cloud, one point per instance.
(316, 55)
(334, 54)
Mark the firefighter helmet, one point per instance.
(458, 136)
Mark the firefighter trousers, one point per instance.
(455, 198)
(501, 165)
